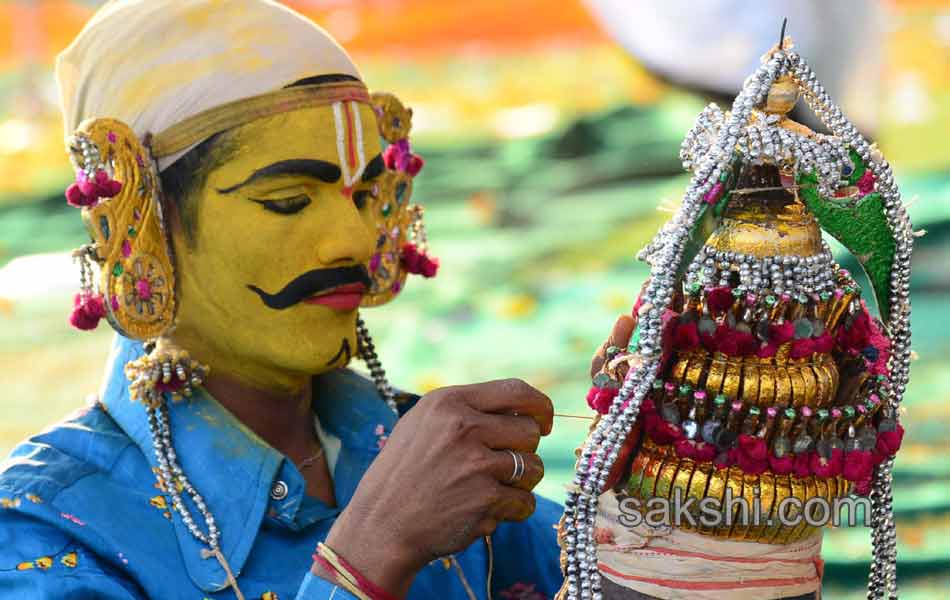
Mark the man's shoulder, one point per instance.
(85, 443)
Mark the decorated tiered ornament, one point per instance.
(756, 365)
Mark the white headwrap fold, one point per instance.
(154, 63)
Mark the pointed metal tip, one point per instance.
(781, 37)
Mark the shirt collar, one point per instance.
(235, 471)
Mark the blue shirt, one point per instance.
(82, 514)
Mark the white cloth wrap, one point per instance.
(673, 564)
(153, 63)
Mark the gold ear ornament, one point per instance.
(117, 190)
(401, 245)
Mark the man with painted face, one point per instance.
(242, 206)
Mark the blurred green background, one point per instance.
(550, 142)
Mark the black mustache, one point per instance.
(312, 282)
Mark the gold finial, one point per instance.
(783, 94)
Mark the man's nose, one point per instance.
(345, 239)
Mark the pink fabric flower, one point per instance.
(87, 192)
(824, 343)
(802, 467)
(866, 182)
(88, 309)
(767, 350)
(750, 454)
(418, 263)
(400, 157)
(783, 465)
(733, 342)
(781, 333)
(827, 467)
(714, 193)
(686, 336)
(857, 465)
(802, 348)
(863, 487)
(665, 433)
(719, 299)
(600, 398)
(889, 442)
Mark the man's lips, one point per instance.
(343, 297)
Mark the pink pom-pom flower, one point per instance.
(88, 309)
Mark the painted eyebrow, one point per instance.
(318, 169)
(374, 169)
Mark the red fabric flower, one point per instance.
(665, 433)
(802, 467)
(418, 263)
(767, 350)
(87, 310)
(781, 333)
(866, 182)
(824, 343)
(719, 299)
(802, 348)
(827, 467)
(889, 442)
(863, 487)
(751, 454)
(783, 465)
(858, 335)
(857, 465)
(733, 342)
(685, 448)
(600, 398)
(879, 342)
(399, 156)
(723, 460)
(87, 192)
(686, 336)
(704, 452)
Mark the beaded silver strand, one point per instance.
(367, 351)
(882, 582)
(665, 252)
(171, 476)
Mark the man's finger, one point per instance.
(498, 432)
(619, 337)
(509, 396)
(513, 504)
(531, 467)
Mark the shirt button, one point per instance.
(279, 490)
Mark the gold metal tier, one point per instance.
(656, 472)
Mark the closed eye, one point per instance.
(285, 206)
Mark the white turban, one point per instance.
(154, 63)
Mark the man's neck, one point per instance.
(282, 419)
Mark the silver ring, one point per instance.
(518, 472)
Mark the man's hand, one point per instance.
(442, 480)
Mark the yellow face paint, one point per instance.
(280, 217)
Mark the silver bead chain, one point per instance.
(882, 582)
(367, 351)
(664, 253)
(173, 479)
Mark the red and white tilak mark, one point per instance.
(349, 143)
